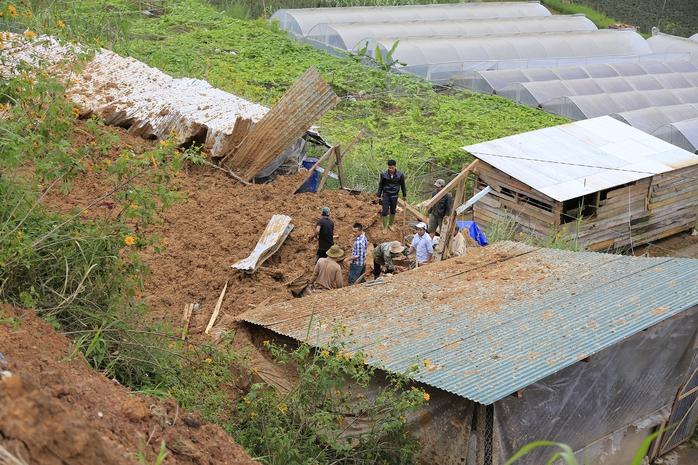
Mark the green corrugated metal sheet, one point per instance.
(498, 320)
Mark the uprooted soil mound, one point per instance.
(219, 224)
(55, 410)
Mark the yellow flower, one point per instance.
(29, 35)
(348, 356)
(253, 415)
(133, 206)
(164, 241)
(13, 11)
(208, 360)
(29, 14)
(20, 234)
(325, 353)
(282, 408)
(75, 112)
(129, 240)
(61, 23)
(427, 363)
(427, 397)
(520, 234)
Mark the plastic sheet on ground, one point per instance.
(273, 237)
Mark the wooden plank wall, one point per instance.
(490, 209)
(652, 208)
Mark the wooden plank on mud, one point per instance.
(217, 309)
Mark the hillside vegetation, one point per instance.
(421, 127)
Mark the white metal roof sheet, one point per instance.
(572, 160)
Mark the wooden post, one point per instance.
(412, 210)
(454, 182)
(216, 310)
(445, 239)
(330, 167)
(340, 157)
(322, 159)
(227, 172)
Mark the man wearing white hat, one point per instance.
(327, 273)
(384, 254)
(441, 209)
(422, 245)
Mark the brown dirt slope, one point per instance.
(56, 410)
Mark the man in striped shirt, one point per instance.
(357, 259)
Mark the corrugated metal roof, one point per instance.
(571, 160)
(497, 320)
(274, 235)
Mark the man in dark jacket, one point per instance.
(391, 181)
(441, 209)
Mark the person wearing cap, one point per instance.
(357, 259)
(457, 248)
(441, 209)
(327, 273)
(422, 245)
(324, 233)
(389, 185)
(384, 254)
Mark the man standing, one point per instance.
(391, 181)
(457, 243)
(441, 209)
(384, 254)
(421, 243)
(324, 233)
(357, 260)
(327, 273)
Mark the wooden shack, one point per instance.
(598, 182)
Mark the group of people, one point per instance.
(328, 273)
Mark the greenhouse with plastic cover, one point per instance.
(301, 21)
(683, 134)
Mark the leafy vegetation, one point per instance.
(332, 414)
(568, 8)
(405, 118)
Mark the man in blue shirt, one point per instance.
(357, 259)
(422, 244)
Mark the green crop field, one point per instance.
(678, 17)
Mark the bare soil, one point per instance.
(54, 409)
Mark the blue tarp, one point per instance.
(474, 231)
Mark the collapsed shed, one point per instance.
(598, 183)
(519, 344)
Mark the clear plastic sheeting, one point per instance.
(650, 119)
(665, 43)
(538, 93)
(491, 81)
(590, 106)
(683, 134)
(348, 36)
(618, 387)
(694, 37)
(300, 21)
(512, 47)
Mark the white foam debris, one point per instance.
(126, 92)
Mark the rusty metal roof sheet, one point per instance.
(572, 160)
(300, 107)
(497, 320)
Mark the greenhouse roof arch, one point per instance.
(650, 119)
(683, 134)
(492, 81)
(348, 36)
(665, 43)
(661, 90)
(300, 21)
(578, 107)
(514, 47)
